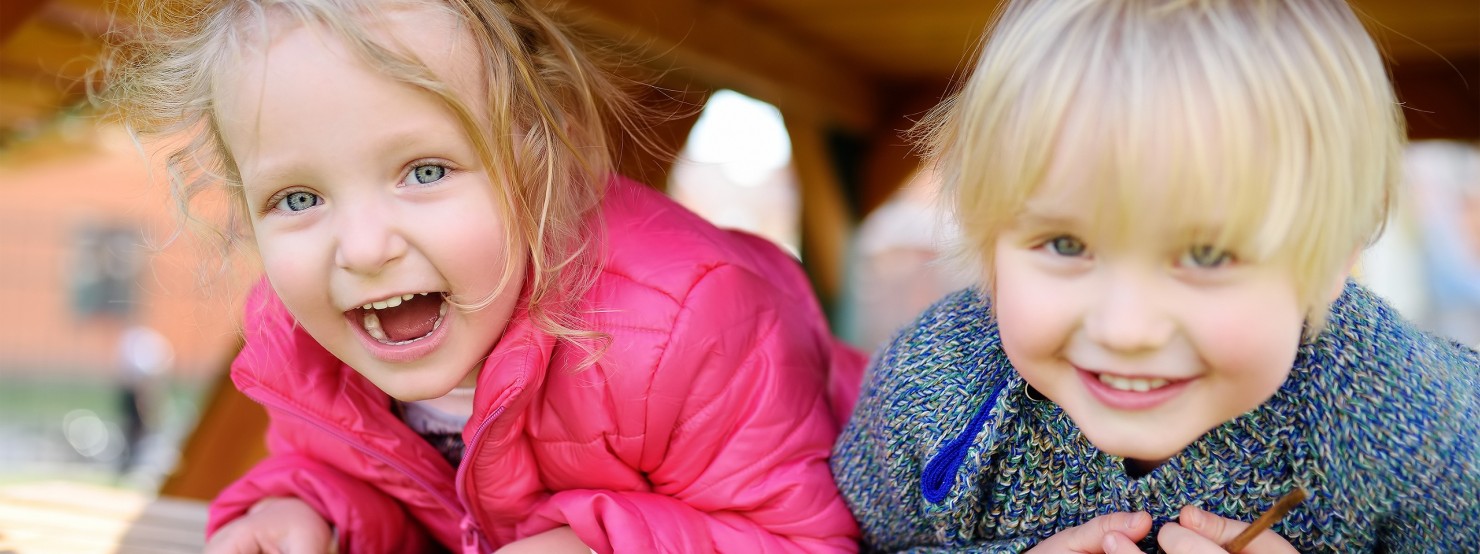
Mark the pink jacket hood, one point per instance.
(705, 426)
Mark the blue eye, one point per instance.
(1065, 245)
(298, 201)
(426, 174)
(1206, 257)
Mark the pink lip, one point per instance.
(1129, 400)
(400, 353)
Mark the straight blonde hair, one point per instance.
(542, 87)
(1277, 113)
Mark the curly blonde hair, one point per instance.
(543, 86)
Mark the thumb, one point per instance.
(1119, 543)
(1208, 531)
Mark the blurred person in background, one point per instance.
(1445, 180)
(144, 358)
(900, 266)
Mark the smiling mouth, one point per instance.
(402, 319)
(1134, 384)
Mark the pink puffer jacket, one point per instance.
(705, 426)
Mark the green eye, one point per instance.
(1205, 256)
(1066, 246)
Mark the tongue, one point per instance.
(412, 319)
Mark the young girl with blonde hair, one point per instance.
(471, 334)
(1164, 199)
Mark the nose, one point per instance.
(1129, 316)
(367, 238)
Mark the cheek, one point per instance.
(1031, 312)
(475, 248)
(1252, 342)
(293, 275)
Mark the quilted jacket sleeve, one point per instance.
(737, 434)
(366, 519)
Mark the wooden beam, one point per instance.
(87, 23)
(673, 113)
(723, 48)
(1440, 97)
(13, 13)
(890, 157)
(827, 227)
(229, 438)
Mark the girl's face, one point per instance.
(1144, 335)
(364, 191)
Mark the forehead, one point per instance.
(429, 40)
(294, 69)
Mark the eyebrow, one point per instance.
(1037, 219)
(385, 146)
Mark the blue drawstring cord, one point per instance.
(940, 473)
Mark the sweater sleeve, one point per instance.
(1439, 503)
(737, 432)
(866, 465)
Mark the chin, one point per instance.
(408, 386)
(1141, 449)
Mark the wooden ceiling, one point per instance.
(844, 61)
(847, 75)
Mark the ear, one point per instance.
(1338, 281)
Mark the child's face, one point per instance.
(1146, 338)
(363, 190)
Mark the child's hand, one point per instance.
(1198, 531)
(1107, 534)
(559, 539)
(274, 525)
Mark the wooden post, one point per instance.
(827, 224)
(672, 114)
(227, 441)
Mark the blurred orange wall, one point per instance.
(53, 187)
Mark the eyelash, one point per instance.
(273, 202)
(1224, 257)
(1055, 245)
(411, 172)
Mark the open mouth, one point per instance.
(402, 319)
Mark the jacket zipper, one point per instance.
(472, 539)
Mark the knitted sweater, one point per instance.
(1378, 421)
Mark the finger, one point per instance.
(303, 541)
(1118, 543)
(1218, 530)
(1090, 537)
(231, 540)
(1175, 538)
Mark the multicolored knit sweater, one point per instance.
(949, 451)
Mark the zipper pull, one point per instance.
(471, 538)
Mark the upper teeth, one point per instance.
(371, 323)
(391, 302)
(1132, 384)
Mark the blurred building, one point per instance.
(86, 250)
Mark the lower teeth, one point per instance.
(371, 323)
